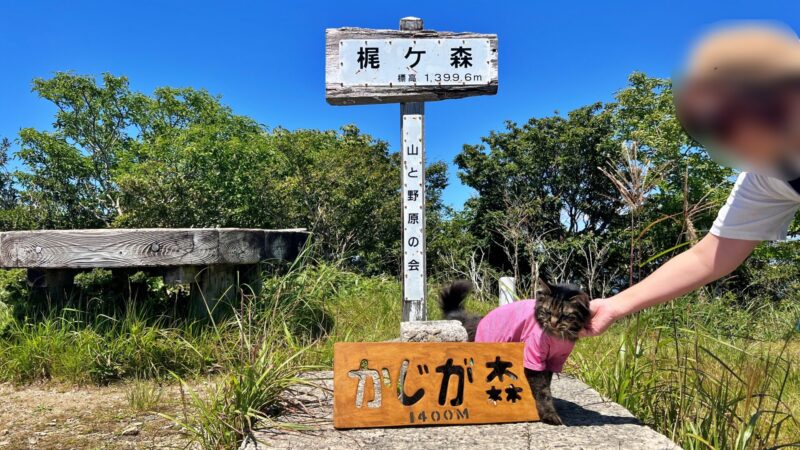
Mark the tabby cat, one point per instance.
(560, 310)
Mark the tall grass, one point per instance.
(144, 396)
(74, 349)
(248, 392)
(265, 345)
(693, 370)
(703, 391)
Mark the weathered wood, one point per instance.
(339, 94)
(36, 278)
(214, 284)
(51, 278)
(407, 109)
(401, 384)
(117, 248)
(223, 283)
(249, 279)
(412, 136)
(285, 245)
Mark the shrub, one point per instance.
(94, 279)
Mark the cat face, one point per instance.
(562, 310)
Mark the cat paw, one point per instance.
(551, 418)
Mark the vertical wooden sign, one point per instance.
(412, 130)
(413, 179)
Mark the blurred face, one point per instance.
(792, 131)
(754, 143)
(743, 126)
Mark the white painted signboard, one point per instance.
(413, 214)
(415, 62)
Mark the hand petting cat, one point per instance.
(602, 314)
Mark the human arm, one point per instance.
(710, 259)
(759, 208)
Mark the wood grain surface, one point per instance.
(337, 94)
(368, 389)
(116, 248)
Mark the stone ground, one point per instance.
(590, 423)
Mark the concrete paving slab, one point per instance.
(590, 423)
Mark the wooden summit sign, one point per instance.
(413, 384)
(414, 65)
(409, 66)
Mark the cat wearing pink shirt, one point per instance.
(548, 326)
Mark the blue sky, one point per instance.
(266, 59)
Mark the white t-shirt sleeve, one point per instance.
(759, 208)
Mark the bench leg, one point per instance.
(214, 284)
(53, 283)
(250, 280)
(223, 283)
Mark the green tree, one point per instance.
(193, 163)
(622, 179)
(13, 215)
(8, 194)
(181, 158)
(70, 169)
(540, 183)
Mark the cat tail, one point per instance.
(451, 297)
(451, 300)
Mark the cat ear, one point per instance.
(544, 287)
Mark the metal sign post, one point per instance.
(409, 66)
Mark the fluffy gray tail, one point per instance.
(451, 300)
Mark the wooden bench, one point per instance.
(212, 260)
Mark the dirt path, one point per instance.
(49, 416)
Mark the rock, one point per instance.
(592, 422)
(132, 430)
(433, 331)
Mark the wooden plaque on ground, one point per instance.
(413, 384)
